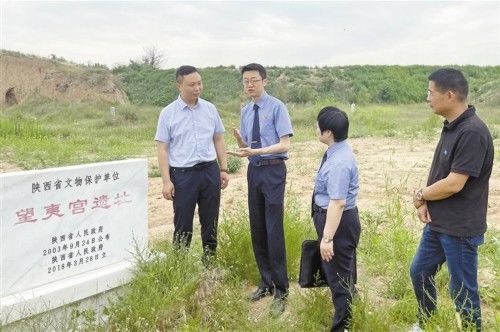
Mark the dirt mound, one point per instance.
(25, 76)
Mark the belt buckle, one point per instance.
(199, 166)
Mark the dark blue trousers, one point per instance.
(266, 193)
(460, 253)
(196, 185)
(341, 269)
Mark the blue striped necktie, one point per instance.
(256, 144)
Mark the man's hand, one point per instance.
(224, 180)
(326, 250)
(237, 134)
(423, 213)
(243, 152)
(168, 190)
(235, 153)
(418, 199)
(247, 152)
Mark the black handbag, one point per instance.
(311, 274)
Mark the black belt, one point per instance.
(196, 167)
(267, 162)
(318, 209)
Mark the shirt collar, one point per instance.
(470, 111)
(183, 104)
(262, 100)
(335, 147)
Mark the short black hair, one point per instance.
(255, 66)
(333, 119)
(184, 71)
(446, 79)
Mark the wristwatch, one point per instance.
(327, 240)
(419, 196)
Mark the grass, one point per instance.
(47, 134)
(175, 292)
(44, 133)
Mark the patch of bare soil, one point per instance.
(6, 167)
(26, 76)
(384, 164)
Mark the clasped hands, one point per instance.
(421, 205)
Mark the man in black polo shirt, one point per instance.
(453, 204)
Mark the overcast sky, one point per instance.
(273, 33)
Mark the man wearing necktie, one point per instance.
(264, 137)
(335, 214)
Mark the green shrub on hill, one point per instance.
(351, 84)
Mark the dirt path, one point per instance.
(384, 163)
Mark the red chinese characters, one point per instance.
(55, 211)
(78, 206)
(25, 215)
(52, 210)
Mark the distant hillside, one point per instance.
(358, 84)
(24, 77)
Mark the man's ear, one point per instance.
(451, 94)
(333, 136)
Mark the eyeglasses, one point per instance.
(253, 82)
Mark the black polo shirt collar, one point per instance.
(470, 111)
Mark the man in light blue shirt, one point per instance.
(190, 140)
(264, 137)
(335, 214)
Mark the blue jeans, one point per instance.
(460, 253)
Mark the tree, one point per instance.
(152, 57)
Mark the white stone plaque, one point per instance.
(68, 233)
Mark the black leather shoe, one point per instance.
(260, 293)
(277, 307)
(279, 294)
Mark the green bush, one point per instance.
(359, 84)
(234, 164)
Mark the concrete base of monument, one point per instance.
(63, 292)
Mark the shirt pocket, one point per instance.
(267, 127)
(321, 184)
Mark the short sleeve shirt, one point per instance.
(465, 147)
(338, 177)
(274, 122)
(189, 132)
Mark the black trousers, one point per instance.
(340, 271)
(266, 193)
(196, 185)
